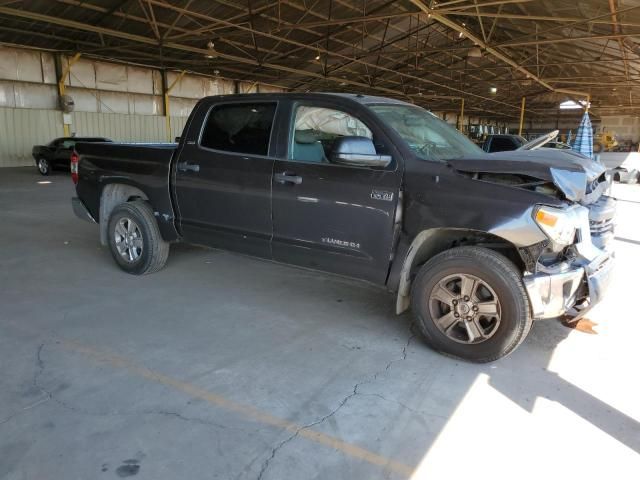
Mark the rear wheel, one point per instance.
(470, 303)
(43, 166)
(134, 239)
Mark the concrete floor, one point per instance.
(225, 367)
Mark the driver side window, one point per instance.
(316, 129)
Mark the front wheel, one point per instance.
(470, 303)
(43, 166)
(134, 239)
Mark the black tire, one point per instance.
(43, 165)
(153, 251)
(494, 270)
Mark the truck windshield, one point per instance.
(428, 136)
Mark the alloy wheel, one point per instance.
(465, 308)
(43, 166)
(128, 238)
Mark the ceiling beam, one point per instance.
(542, 18)
(324, 51)
(202, 51)
(345, 21)
(485, 4)
(493, 51)
(583, 38)
(571, 25)
(435, 69)
(111, 11)
(476, 40)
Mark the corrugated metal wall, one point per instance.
(120, 127)
(177, 125)
(126, 128)
(21, 129)
(122, 102)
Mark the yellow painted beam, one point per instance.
(167, 107)
(62, 87)
(524, 101)
(461, 119)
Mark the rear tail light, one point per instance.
(74, 167)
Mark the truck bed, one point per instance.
(145, 166)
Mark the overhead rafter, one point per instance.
(202, 51)
(425, 52)
(493, 51)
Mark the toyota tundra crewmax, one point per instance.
(477, 245)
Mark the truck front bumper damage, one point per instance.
(80, 210)
(571, 291)
(571, 288)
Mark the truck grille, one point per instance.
(601, 221)
(600, 227)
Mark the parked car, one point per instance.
(556, 144)
(377, 189)
(506, 142)
(625, 175)
(57, 153)
(502, 143)
(625, 166)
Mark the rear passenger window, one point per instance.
(239, 128)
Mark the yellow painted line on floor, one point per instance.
(214, 399)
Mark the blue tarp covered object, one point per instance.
(583, 142)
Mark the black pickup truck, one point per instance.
(478, 245)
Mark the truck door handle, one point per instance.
(188, 167)
(287, 177)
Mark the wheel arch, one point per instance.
(113, 194)
(431, 242)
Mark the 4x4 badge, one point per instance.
(382, 195)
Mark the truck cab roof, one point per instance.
(354, 97)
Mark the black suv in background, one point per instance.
(502, 143)
(477, 245)
(507, 142)
(57, 153)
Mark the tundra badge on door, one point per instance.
(342, 243)
(382, 195)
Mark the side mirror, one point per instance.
(357, 152)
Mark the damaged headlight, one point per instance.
(558, 224)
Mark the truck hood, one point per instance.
(573, 174)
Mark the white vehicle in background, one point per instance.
(624, 166)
